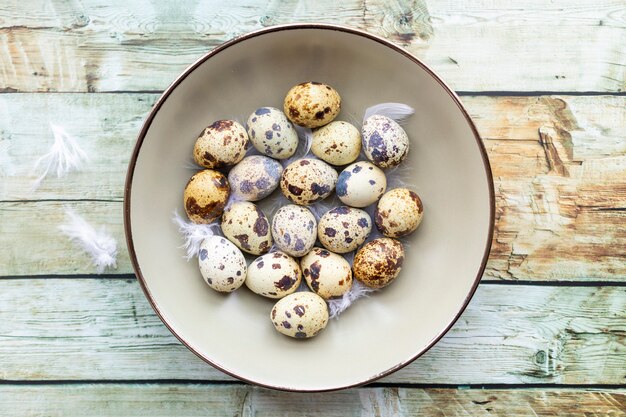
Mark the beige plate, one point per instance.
(446, 256)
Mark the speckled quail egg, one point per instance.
(385, 142)
(254, 178)
(361, 184)
(274, 275)
(294, 229)
(326, 273)
(378, 262)
(221, 144)
(244, 224)
(338, 143)
(300, 315)
(271, 133)
(306, 181)
(205, 196)
(343, 229)
(399, 212)
(312, 104)
(222, 264)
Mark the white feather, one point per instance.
(193, 233)
(339, 305)
(397, 111)
(98, 244)
(64, 156)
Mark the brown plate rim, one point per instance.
(297, 26)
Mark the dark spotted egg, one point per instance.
(385, 142)
(306, 181)
(361, 184)
(254, 178)
(312, 104)
(300, 315)
(327, 274)
(399, 212)
(274, 275)
(222, 264)
(378, 262)
(338, 143)
(343, 229)
(221, 144)
(205, 196)
(244, 224)
(294, 230)
(271, 133)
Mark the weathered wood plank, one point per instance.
(30, 239)
(143, 45)
(509, 334)
(561, 195)
(246, 401)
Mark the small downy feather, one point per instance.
(64, 156)
(397, 111)
(98, 244)
(339, 305)
(193, 233)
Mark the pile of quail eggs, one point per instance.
(231, 183)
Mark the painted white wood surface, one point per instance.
(182, 400)
(73, 329)
(53, 45)
(561, 196)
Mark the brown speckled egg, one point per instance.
(274, 275)
(361, 184)
(306, 181)
(338, 143)
(378, 262)
(294, 229)
(312, 104)
(222, 264)
(244, 224)
(221, 144)
(205, 196)
(385, 143)
(300, 315)
(343, 229)
(399, 212)
(327, 274)
(271, 133)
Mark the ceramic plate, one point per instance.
(445, 258)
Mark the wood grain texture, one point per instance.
(73, 329)
(559, 166)
(181, 400)
(52, 45)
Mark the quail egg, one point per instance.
(378, 262)
(254, 178)
(271, 133)
(294, 229)
(300, 315)
(343, 229)
(312, 104)
(244, 224)
(306, 181)
(222, 264)
(221, 144)
(274, 275)
(361, 184)
(338, 143)
(205, 196)
(399, 212)
(326, 273)
(384, 141)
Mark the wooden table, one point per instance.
(545, 83)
